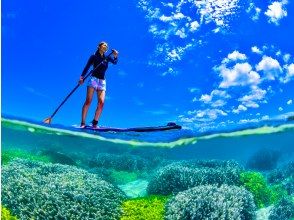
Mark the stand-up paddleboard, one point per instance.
(169, 126)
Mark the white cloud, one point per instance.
(216, 11)
(239, 109)
(235, 55)
(253, 11)
(289, 73)
(289, 102)
(181, 33)
(176, 16)
(215, 99)
(286, 57)
(192, 90)
(194, 26)
(251, 100)
(209, 114)
(170, 71)
(281, 109)
(255, 49)
(183, 19)
(270, 67)
(265, 117)
(240, 75)
(246, 121)
(276, 12)
(173, 55)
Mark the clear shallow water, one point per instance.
(79, 149)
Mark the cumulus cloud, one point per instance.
(241, 74)
(173, 17)
(255, 49)
(194, 26)
(276, 11)
(215, 99)
(251, 100)
(289, 73)
(270, 67)
(234, 56)
(181, 33)
(239, 109)
(207, 114)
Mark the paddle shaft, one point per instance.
(77, 86)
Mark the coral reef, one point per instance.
(35, 190)
(211, 202)
(8, 155)
(264, 195)
(183, 175)
(147, 208)
(6, 215)
(283, 175)
(126, 162)
(263, 160)
(284, 210)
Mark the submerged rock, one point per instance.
(137, 188)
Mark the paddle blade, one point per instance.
(47, 120)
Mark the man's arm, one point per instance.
(89, 63)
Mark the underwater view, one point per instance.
(57, 172)
(147, 110)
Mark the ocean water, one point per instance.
(58, 172)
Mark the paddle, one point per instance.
(49, 119)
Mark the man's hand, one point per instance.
(81, 80)
(115, 53)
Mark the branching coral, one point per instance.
(34, 190)
(126, 162)
(211, 202)
(147, 208)
(6, 215)
(284, 210)
(180, 176)
(264, 195)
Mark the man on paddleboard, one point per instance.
(97, 82)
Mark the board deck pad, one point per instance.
(169, 126)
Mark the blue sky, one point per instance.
(205, 64)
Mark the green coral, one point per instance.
(276, 193)
(264, 195)
(147, 208)
(6, 215)
(8, 155)
(123, 177)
